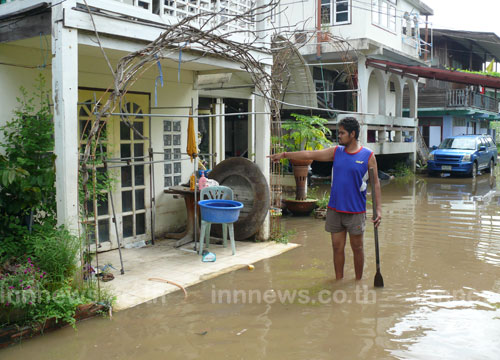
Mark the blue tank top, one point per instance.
(349, 176)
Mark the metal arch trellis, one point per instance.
(208, 41)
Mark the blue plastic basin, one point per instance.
(220, 211)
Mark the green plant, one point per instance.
(55, 251)
(322, 197)
(27, 171)
(282, 236)
(30, 297)
(305, 133)
(402, 170)
(20, 286)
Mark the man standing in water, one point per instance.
(347, 206)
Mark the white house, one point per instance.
(339, 39)
(58, 39)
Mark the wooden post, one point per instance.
(65, 98)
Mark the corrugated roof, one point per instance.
(423, 8)
(437, 74)
(481, 42)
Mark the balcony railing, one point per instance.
(453, 98)
(184, 8)
(180, 9)
(468, 98)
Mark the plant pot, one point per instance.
(320, 213)
(300, 207)
(300, 171)
(323, 36)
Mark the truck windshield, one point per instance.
(459, 143)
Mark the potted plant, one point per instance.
(304, 133)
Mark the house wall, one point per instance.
(361, 26)
(13, 77)
(94, 73)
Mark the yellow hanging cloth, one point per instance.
(191, 143)
(490, 66)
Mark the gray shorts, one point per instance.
(352, 223)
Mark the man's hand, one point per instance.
(277, 157)
(378, 219)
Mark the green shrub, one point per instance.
(27, 171)
(55, 251)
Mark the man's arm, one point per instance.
(372, 163)
(318, 155)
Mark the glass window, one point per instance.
(375, 12)
(139, 152)
(392, 18)
(342, 12)
(102, 205)
(461, 143)
(167, 140)
(125, 151)
(139, 174)
(139, 127)
(126, 176)
(124, 131)
(139, 200)
(326, 12)
(128, 226)
(384, 14)
(127, 200)
(335, 12)
(103, 230)
(140, 224)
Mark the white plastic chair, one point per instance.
(221, 193)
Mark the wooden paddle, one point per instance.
(379, 280)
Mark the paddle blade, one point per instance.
(379, 280)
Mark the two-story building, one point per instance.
(60, 40)
(348, 34)
(448, 108)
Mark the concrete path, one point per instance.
(166, 262)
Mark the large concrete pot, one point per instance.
(300, 207)
(300, 170)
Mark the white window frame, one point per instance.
(384, 14)
(332, 4)
(335, 13)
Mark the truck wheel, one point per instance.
(491, 168)
(473, 173)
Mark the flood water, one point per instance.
(440, 260)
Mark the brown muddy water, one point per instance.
(440, 253)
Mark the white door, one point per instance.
(434, 136)
(130, 183)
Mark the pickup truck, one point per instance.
(464, 154)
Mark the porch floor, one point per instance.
(184, 268)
